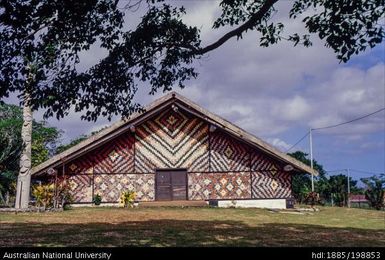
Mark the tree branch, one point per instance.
(255, 18)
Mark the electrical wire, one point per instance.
(353, 120)
(354, 170)
(297, 142)
(332, 126)
(341, 170)
(367, 172)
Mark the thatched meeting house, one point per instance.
(176, 150)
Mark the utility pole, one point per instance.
(311, 159)
(348, 186)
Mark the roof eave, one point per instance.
(122, 125)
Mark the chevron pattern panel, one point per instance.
(228, 154)
(82, 165)
(81, 188)
(110, 186)
(261, 162)
(270, 185)
(232, 185)
(116, 156)
(284, 184)
(172, 140)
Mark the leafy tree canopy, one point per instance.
(324, 185)
(45, 138)
(375, 190)
(301, 184)
(76, 141)
(40, 41)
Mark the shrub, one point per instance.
(313, 198)
(63, 193)
(97, 199)
(127, 199)
(44, 195)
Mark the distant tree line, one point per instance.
(335, 188)
(47, 142)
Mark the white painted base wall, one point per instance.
(101, 205)
(261, 203)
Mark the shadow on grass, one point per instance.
(184, 233)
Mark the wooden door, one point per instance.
(163, 185)
(171, 185)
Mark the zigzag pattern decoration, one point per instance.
(117, 156)
(110, 186)
(82, 165)
(261, 162)
(261, 185)
(81, 188)
(228, 154)
(203, 186)
(284, 184)
(266, 185)
(171, 140)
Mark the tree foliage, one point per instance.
(301, 183)
(348, 27)
(375, 190)
(328, 187)
(76, 141)
(72, 143)
(45, 139)
(44, 39)
(47, 37)
(339, 188)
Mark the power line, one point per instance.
(356, 119)
(354, 170)
(367, 172)
(331, 126)
(340, 170)
(297, 142)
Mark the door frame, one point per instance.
(170, 170)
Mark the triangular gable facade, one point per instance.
(176, 150)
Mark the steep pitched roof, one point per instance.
(157, 105)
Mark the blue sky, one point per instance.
(278, 93)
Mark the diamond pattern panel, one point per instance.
(228, 154)
(116, 156)
(110, 186)
(82, 165)
(81, 188)
(232, 185)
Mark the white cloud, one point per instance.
(278, 143)
(292, 109)
(348, 94)
(272, 91)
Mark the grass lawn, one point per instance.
(193, 227)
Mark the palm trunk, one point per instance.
(24, 178)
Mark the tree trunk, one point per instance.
(7, 198)
(2, 199)
(24, 178)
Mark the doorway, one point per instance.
(171, 185)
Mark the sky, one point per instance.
(278, 93)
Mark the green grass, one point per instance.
(193, 227)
